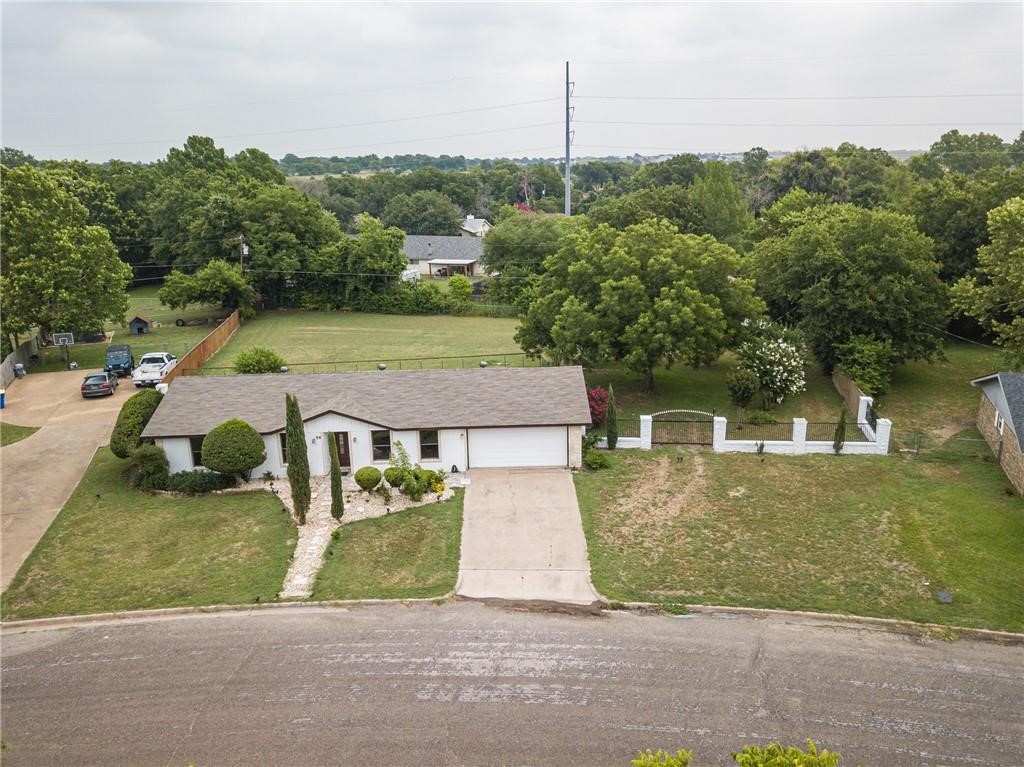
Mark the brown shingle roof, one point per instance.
(420, 399)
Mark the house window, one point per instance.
(195, 444)
(429, 447)
(283, 438)
(1001, 423)
(381, 445)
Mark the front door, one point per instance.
(341, 437)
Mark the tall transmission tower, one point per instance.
(568, 141)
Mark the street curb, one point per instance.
(889, 624)
(925, 630)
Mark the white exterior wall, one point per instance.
(453, 449)
(178, 452)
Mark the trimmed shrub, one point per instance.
(258, 359)
(135, 414)
(234, 447)
(595, 459)
(777, 755)
(337, 495)
(611, 428)
(661, 758)
(148, 469)
(761, 416)
(424, 476)
(840, 435)
(368, 477)
(298, 458)
(414, 489)
(395, 475)
(197, 481)
(598, 400)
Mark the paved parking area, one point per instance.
(40, 472)
(522, 538)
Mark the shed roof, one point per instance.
(395, 399)
(1011, 385)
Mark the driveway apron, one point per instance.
(39, 473)
(522, 538)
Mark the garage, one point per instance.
(515, 447)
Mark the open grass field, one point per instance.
(303, 338)
(168, 337)
(864, 536)
(112, 548)
(411, 554)
(10, 433)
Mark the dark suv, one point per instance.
(120, 360)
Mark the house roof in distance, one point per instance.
(393, 399)
(424, 247)
(475, 225)
(1011, 386)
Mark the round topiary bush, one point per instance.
(258, 359)
(234, 447)
(135, 414)
(395, 475)
(368, 477)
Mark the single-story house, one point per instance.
(139, 325)
(472, 226)
(443, 256)
(1001, 421)
(461, 418)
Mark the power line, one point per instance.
(787, 125)
(833, 57)
(805, 98)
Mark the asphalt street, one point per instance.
(469, 684)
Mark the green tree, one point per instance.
(673, 203)
(258, 359)
(865, 173)
(611, 420)
(839, 436)
(423, 212)
(516, 247)
(681, 170)
(969, 152)
(135, 413)
(645, 296)
(374, 261)
(813, 171)
(233, 447)
(721, 203)
(742, 385)
(459, 291)
(298, 458)
(846, 271)
(789, 211)
(59, 272)
(337, 494)
(216, 284)
(995, 295)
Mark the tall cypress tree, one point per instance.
(337, 499)
(298, 459)
(611, 420)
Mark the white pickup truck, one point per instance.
(152, 368)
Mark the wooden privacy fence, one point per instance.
(22, 354)
(206, 348)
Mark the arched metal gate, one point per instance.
(682, 427)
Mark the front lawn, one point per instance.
(322, 337)
(857, 535)
(112, 548)
(413, 553)
(11, 433)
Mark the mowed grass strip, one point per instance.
(112, 548)
(11, 433)
(409, 554)
(303, 338)
(857, 535)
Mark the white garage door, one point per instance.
(525, 446)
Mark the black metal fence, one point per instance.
(872, 416)
(682, 430)
(826, 432)
(628, 428)
(766, 432)
(510, 360)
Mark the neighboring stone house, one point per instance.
(1001, 421)
(472, 226)
(445, 255)
(445, 419)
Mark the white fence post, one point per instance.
(883, 429)
(718, 434)
(646, 428)
(799, 436)
(863, 403)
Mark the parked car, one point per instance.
(99, 385)
(120, 360)
(152, 368)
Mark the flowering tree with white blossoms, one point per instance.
(775, 355)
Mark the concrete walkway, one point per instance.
(522, 538)
(39, 473)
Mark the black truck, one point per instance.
(120, 360)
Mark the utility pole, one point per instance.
(568, 139)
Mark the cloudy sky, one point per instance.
(129, 80)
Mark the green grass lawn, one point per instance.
(303, 337)
(10, 433)
(413, 553)
(168, 337)
(112, 548)
(857, 535)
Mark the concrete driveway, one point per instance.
(522, 538)
(40, 472)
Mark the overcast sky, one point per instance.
(129, 80)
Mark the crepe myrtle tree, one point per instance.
(774, 354)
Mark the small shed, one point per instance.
(138, 326)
